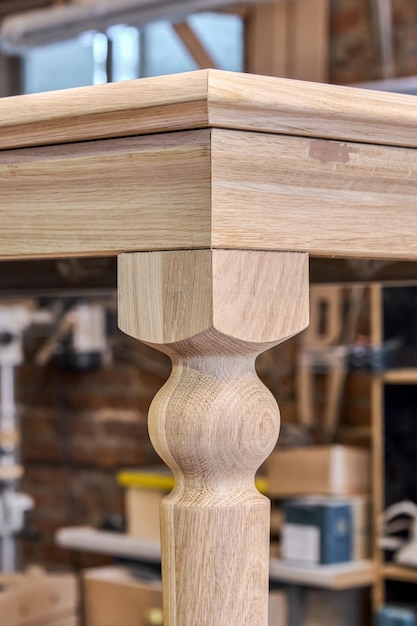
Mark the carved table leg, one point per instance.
(214, 422)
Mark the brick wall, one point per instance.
(354, 53)
(80, 428)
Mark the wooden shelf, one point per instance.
(344, 576)
(89, 539)
(403, 376)
(398, 572)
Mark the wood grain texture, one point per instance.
(122, 109)
(209, 188)
(289, 107)
(174, 295)
(266, 39)
(104, 197)
(214, 422)
(208, 98)
(324, 197)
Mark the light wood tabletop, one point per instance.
(255, 163)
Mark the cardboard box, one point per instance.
(38, 597)
(142, 513)
(144, 491)
(115, 596)
(278, 608)
(71, 620)
(318, 470)
(335, 608)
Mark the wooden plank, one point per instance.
(113, 110)
(40, 598)
(88, 539)
(344, 576)
(329, 198)
(103, 197)
(252, 190)
(279, 105)
(209, 98)
(308, 40)
(377, 423)
(376, 314)
(194, 45)
(403, 376)
(397, 572)
(80, 276)
(266, 40)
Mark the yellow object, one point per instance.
(158, 480)
(154, 617)
(161, 481)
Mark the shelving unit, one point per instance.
(402, 376)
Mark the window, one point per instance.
(125, 52)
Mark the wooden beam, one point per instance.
(330, 198)
(266, 43)
(194, 45)
(308, 40)
(123, 184)
(288, 39)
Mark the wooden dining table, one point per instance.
(213, 189)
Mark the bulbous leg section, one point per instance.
(214, 423)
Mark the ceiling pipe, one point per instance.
(382, 12)
(23, 31)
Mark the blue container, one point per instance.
(394, 616)
(332, 521)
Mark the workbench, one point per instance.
(213, 189)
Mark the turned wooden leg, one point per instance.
(214, 422)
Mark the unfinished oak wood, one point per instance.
(214, 422)
(104, 197)
(208, 98)
(329, 198)
(209, 188)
